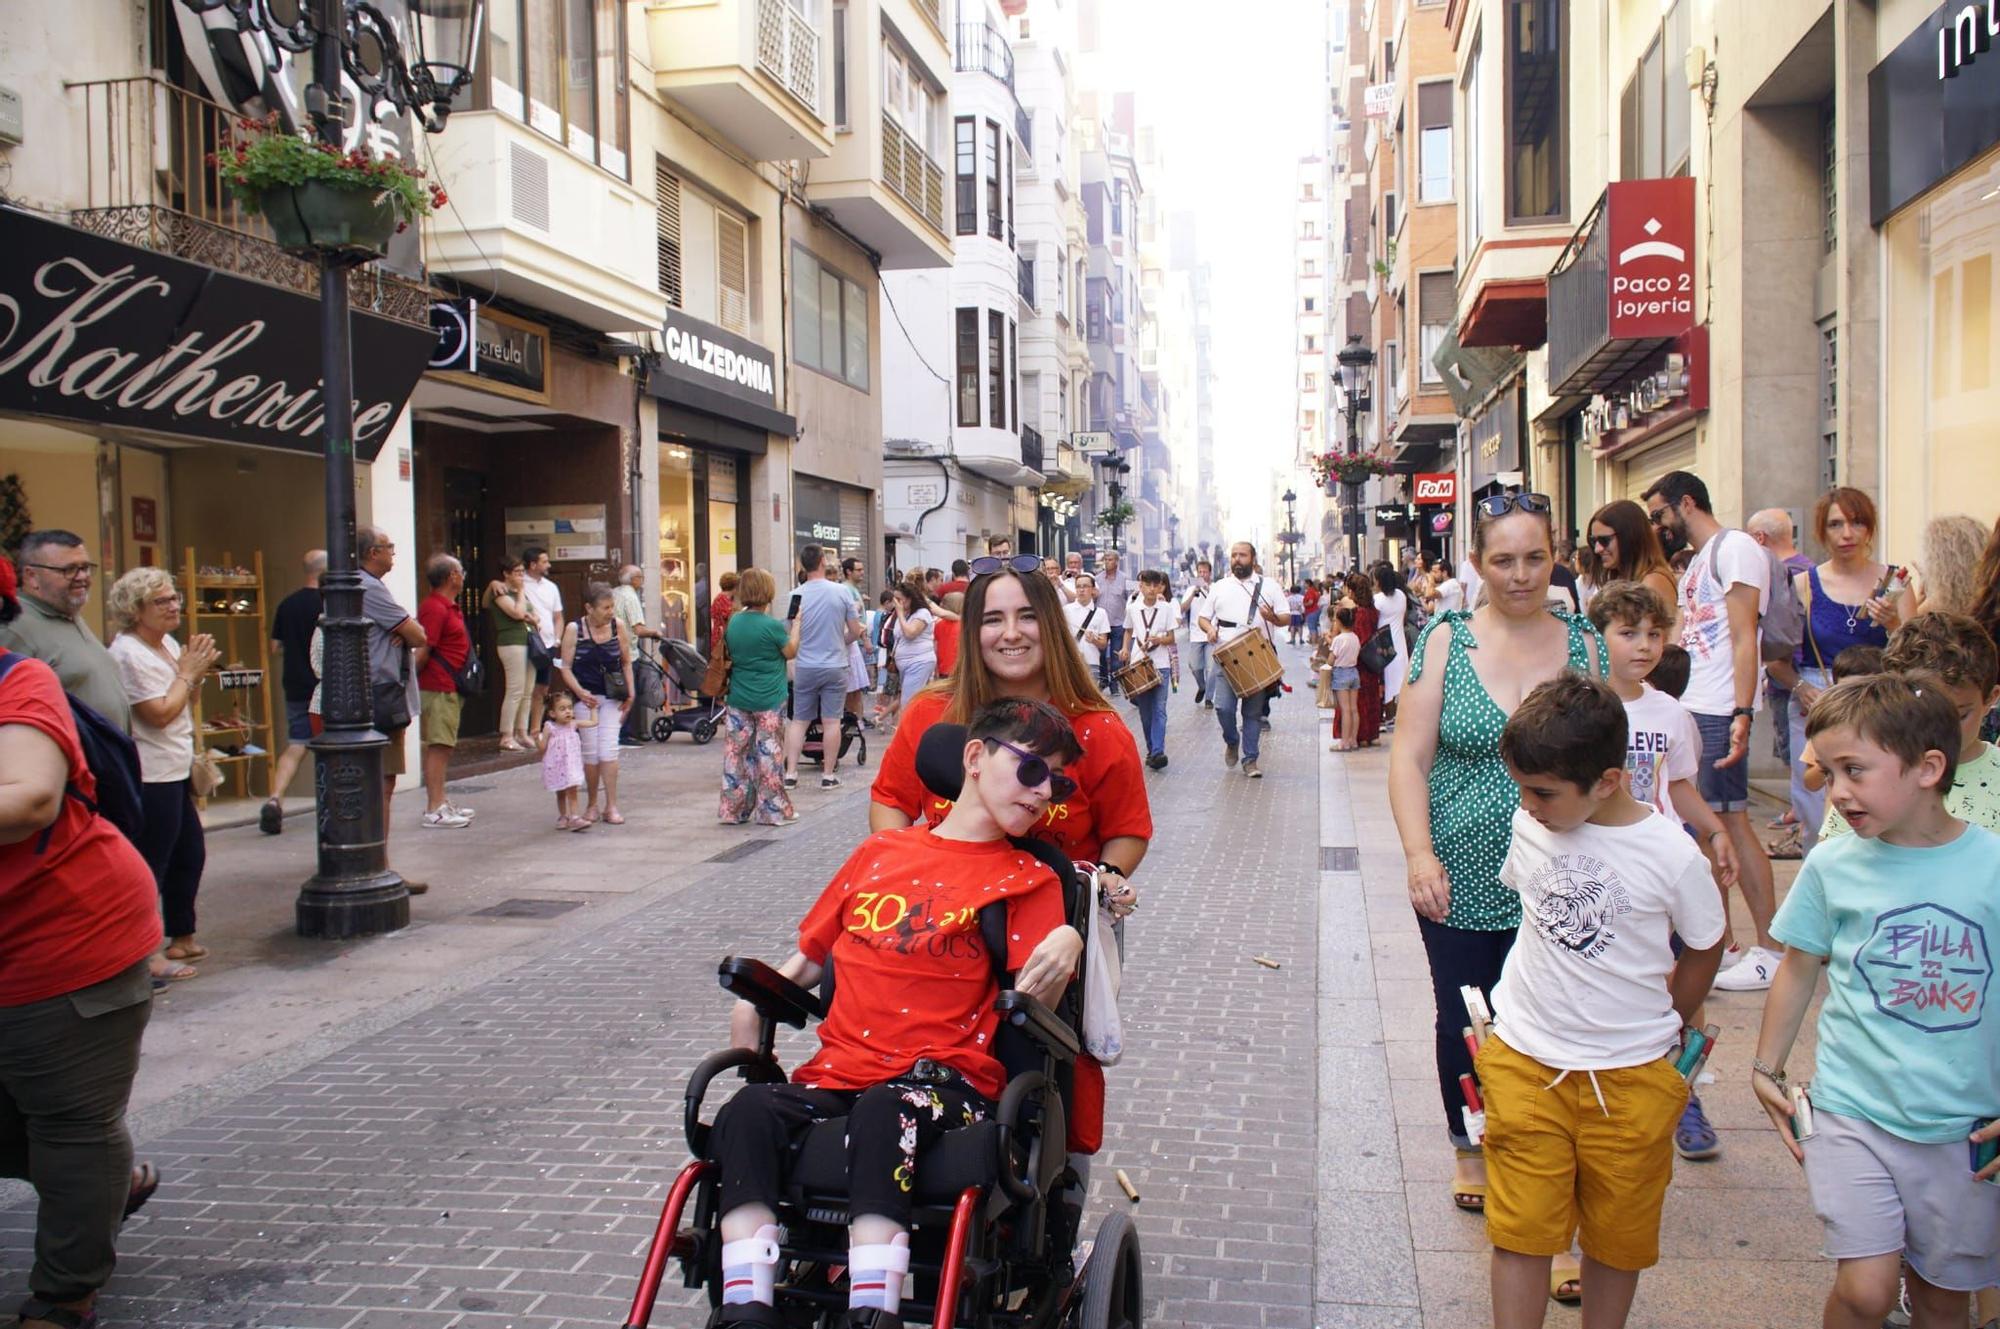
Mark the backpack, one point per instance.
(1414, 618)
(112, 758)
(1783, 627)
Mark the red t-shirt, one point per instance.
(1311, 598)
(80, 907)
(1110, 799)
(945, 632)
(450, 644)
(912, 976)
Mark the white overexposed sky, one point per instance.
(1234, 94)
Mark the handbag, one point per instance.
(392, 702)
(205, 775)
(1103, 1028)
(716, 681)
(1379, 651)
(540, 658)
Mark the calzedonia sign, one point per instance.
(102, 333)
(714, 358)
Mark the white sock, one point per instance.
(750, 1267)
(875, 1274)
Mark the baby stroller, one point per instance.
(814, 746)
(999, 1204)
(702, 716)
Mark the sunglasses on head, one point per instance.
(1499, 505)
(988, 564)
(1034, 769)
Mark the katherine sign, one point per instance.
(108, 334)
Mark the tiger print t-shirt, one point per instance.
(1585, 987)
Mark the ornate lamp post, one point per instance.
(1355, 361)
(417, 66)
(1291, 537)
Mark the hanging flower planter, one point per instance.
(1353, 469)
(318, 199)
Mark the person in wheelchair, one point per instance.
(906, 1045)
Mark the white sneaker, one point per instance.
(467, 813)
(1753, 973)
(445, 819)
(1732, 955)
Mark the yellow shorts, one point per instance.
(1557, 1160)
(440, 719)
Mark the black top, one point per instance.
(1565, 580)
(292, 628)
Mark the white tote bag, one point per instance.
(1103, 1030)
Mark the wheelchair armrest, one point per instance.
(1039, 1023)
(758, 1068)
(776, 997)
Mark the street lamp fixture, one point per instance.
(417, 62)
(1355, 361)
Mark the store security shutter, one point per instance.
(732, 272)
(667, 190)
(854, 510)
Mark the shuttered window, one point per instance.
(1437, 298)
(667, 193)
(732, 272)
(855, 510)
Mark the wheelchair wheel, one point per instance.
(1113, 1281)
(703, 731)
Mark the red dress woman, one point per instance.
(1366, 623)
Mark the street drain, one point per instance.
(1339, 858)
(736, 852)
(528, 909)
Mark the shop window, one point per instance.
(667, 193)
(1536, 168)
(559, 65)
(968, 368)
(1434, 142)
(829, 321)
(965, 161)
(996, 369)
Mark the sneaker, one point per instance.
(1694, 1138)
(1228, 754)
(467, 813)
(271, 817)
(445, 819)
(1753, 973)
(829, 782)
(1899, 1317)
(627, 742)
(791, 782)
(1250, 771)
(1731, 955)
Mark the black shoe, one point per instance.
(1228, 754)
(625, 742)
(747, 1312)
(271, 817)
(870, 1317)
(1158, 761)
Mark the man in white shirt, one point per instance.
(1723, 595)
(1247, 602)
(1194, 607)
(546, 597)
(1088, 624)
(1113, 590)
(1150, 620)
(1072, 569)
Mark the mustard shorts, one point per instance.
(1558, 1160)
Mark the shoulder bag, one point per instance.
(716, 681)
(1379, 651)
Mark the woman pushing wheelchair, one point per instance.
(906, 1045)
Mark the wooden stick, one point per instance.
(1125, 1184)
(1266, 961)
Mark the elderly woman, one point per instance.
(753, 750)
(161, 681)
(596, 660)
(78, 927)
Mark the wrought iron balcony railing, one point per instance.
(982, 49)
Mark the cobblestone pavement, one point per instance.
(498, 1156)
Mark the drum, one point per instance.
(1250, 663)
(1138, 678)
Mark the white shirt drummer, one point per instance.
(1231, 612)
(1089, 625)
(1151, 623)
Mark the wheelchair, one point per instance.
(998, 1204)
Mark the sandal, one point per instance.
(36, 1309)
(509, 745)
(1789, 845)
(1566, 1281)
(613, 817)
(145, 1180)
(589, 817)
(1469, 1195)
(577, 824)
(187, 950)
(174, 973)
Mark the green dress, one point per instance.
(1472, 796)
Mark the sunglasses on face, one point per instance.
(1034, 769)
(987, 565)
(1602, 541)
(1499, 505)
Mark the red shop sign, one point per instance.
(1436, 487)
(1652, 257)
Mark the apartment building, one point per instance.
(1110, 190)
(1201, 527)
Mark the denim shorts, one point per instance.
(1345, 678)
(819, 694)
(1728, 789)
(298, 720)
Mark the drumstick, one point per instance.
(1125, 1184)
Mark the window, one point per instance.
(829, 321)
(1311, 303)
(1062, 284)
(1437, 298)
(965, 154)
(1654, 110)
(732, 276)
(1472, 190)
(1312, 343)
(1118, 209)
(1390, 218)
(559, 65)
(968, 367)
(1009, 145)
(1434, 142)
(1534, 137)
(1392, 373)
(667, 213)
(1311, 268)
(1014, 377)
(1829, 188)
(1077, 291)
(1829, 404)
(996, 369)
(840, 64)
(995, 224)
(1062, 402)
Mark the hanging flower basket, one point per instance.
(1118, 514)
(318, 199)
(1347, 468)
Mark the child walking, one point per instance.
(562, 756)
(1581, 1093)
(1901, 915)
(1345, 655)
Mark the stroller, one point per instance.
(700, 718)
(814, 746)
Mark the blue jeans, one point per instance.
(1113, 647)
(1152, 708)
(1198, 670)
(1256, 707)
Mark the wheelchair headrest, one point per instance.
(941, 760)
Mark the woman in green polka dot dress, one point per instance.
(1452, 797)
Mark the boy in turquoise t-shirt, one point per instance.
(1904, 914)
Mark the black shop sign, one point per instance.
(103, 333)
(487, 349)
(1933, 104)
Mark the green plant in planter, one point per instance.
(1118, 514)
(1349, 468)
(317, 197)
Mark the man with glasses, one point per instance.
(56, 574)
(397, 649)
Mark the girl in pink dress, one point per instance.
(562, 757)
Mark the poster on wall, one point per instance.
(145, 520)
(572, 533)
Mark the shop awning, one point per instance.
(1508, 312)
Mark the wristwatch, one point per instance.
(1750, 711)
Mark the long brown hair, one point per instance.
(1987, 608)
(1639, 549)
(972, 685)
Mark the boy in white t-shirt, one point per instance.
(1088, 623)
(1581, 1093)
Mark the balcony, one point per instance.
(1032, 454)
(1622, 289)
(885, 189)
(751, 68)
(984, 50)
(147, 183)
(534, 223)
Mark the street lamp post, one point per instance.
(1355, 361)
(1291, 538)
(354, 892)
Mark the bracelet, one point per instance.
(1776, 1075)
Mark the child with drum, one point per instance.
(1147, 657)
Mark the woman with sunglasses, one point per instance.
(1450, 792)
(1620, 545)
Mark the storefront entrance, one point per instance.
(701, 534)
